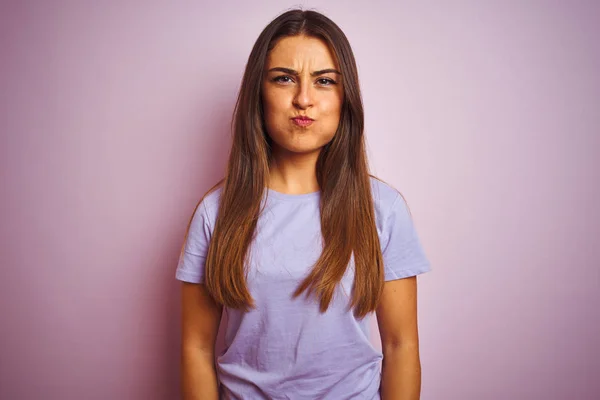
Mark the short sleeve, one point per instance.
(403, 254)
(190, 267)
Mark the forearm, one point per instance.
(198, 376)
(401, 374)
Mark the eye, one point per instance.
(322, 81)
(328, 81)
(280, 77)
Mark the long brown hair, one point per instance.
(346, 203)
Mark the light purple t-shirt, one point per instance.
(284, 348)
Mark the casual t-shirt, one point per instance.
(285, 348)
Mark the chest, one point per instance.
(287, 243)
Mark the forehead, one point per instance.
(295, 50)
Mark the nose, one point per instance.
(304, 95)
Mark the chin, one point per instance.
(304, 150)
(300, 143)
(299, 149)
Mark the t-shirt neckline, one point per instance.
(292, 197)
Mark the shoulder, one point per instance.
(402, 250)
(383, 192)
(389, 204)
(210, 200)
(207, 207)
(384, 195)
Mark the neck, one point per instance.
(294, 173)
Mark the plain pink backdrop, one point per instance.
(114, 121)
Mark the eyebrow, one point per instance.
(315, 73)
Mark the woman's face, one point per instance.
(296, 83)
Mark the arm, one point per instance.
(200, 323)
(397, 319)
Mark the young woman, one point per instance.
(299, 244)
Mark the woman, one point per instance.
(299, 244)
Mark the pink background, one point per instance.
(114, 121)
